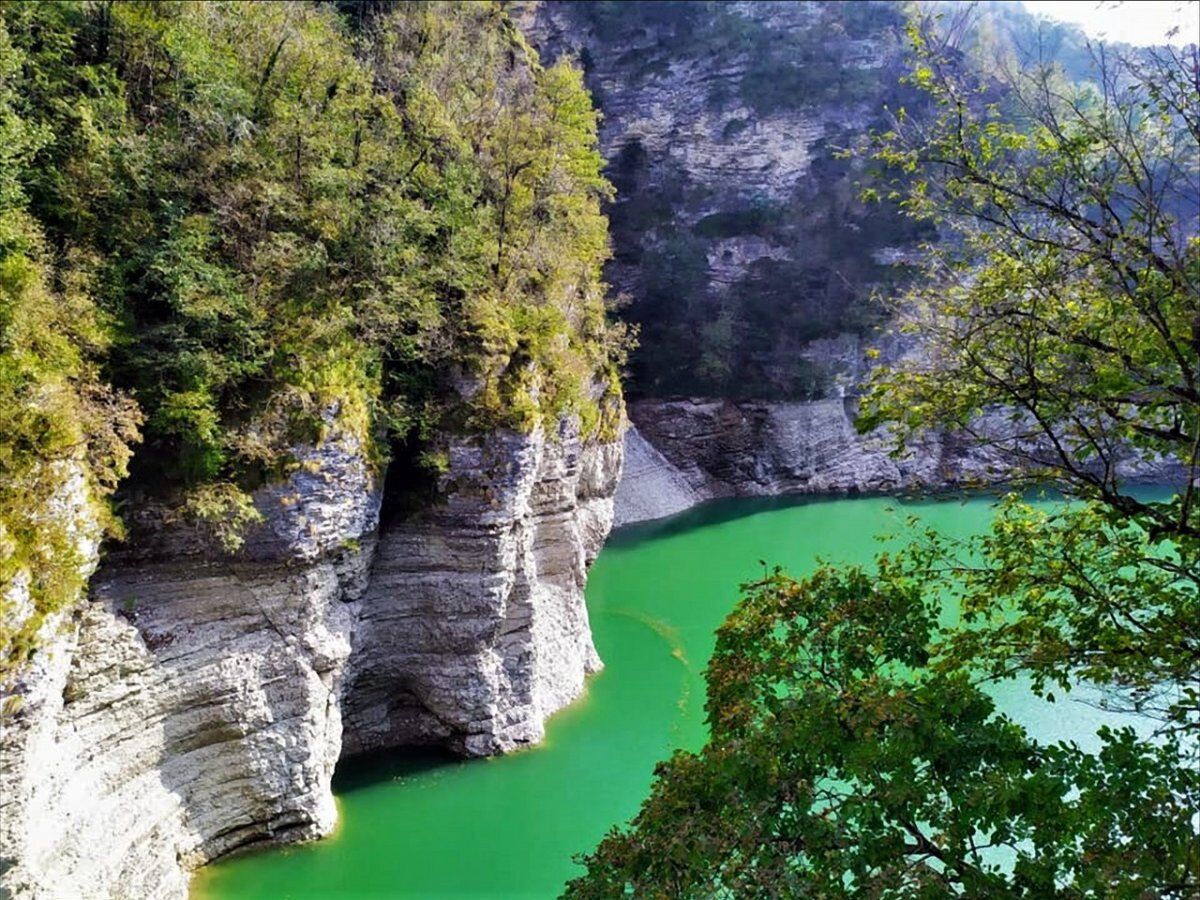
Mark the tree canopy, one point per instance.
(855, 749)
(238, 227)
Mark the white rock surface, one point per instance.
(651, 486)
(683, 452)
(191, 705)
(474, 629)
(192, 711)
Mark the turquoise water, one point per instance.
(421, 825)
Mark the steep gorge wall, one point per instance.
(195, 704)
(199, 717)
(191, 705)
(747, 255)
(684, 452)
(741, 241)
(474, 628)
(739, 235)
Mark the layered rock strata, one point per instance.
(684, 452)
(193, 709)
(191, 705)
(474, 628)
(194, 703)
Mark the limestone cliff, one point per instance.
(474, 627)
(708, 448)
(683, 452)
(194, 704)
(191, 705)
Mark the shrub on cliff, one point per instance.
(63, 433)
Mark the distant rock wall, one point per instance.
(194, 703)
(684, 452)
(738, 231)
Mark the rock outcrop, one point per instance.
(474, 628)
(738, 231)
(686, 451)
(652, 486)
(193, 710)
(194, 703)
(191, 705)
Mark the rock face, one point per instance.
(474, 628)
(686, 451)
(191, 706)
(652, 486)
(192, 710)
(194, 704)
(683, 452)
(738, 231)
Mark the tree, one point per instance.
(64, 434)
(254, 226)
(854, 749)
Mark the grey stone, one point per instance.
(474, 628)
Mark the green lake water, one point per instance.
(424, 826)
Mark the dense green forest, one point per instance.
(229, 228)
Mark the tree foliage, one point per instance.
(1066, 292)
(855, 748)
(264, 224)
(854, 752)
(63, 432)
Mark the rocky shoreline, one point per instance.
(682, 452)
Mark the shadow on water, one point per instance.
(371, 769)
(730, 509)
